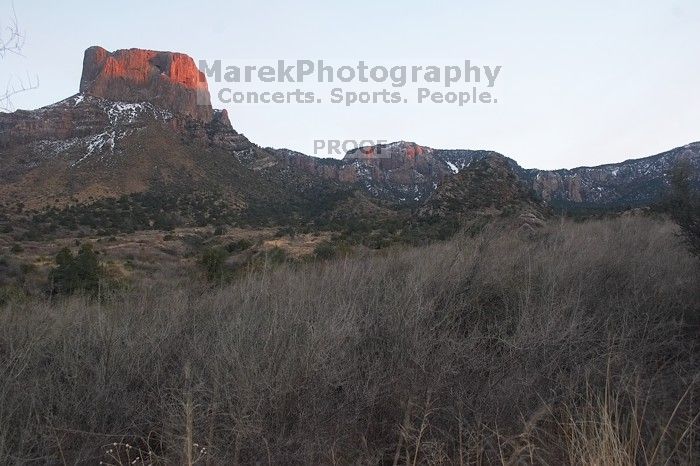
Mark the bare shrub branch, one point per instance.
(11, 37)
(12, 40)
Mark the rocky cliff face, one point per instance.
(631, 183)
(406, 172)
(167, 80)
(400, 171)
(120, 92)
(141, 118)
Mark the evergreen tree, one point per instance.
(76, 273)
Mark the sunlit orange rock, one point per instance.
(368, 152)
(168, 80)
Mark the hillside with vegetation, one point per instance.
(574, 344)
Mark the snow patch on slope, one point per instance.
(124, 113)
(124, 118)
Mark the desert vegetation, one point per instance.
(574, 343)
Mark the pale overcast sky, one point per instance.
(582, 83)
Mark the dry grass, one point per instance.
(577, 345)
(608, 429)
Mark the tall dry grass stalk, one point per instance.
(608, 429)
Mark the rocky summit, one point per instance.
(141, 119)
(165, 79)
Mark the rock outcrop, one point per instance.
(141, 117)
(400, 171)
(486, 185)
(168, 80)
(405, 171)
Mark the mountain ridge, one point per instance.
(163, 136)
(568, 188)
